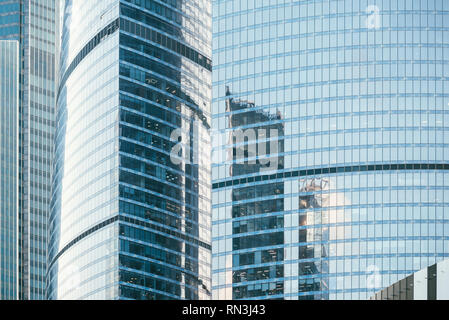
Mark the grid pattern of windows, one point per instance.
(33, 24)
(164, 86)
(359, 198)
(125, 90)
(37, 122)
(10, 19)
(9, 129)
(83, 229)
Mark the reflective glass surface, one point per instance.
(9, 186)
(10, 19)
(431, 283)
(127, 221)
(37, 125)
(33, 24)
(83, 252)
(355, 194)
(165, 85)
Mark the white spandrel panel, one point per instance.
(420, 285)
(443, 280)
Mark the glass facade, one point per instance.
(431, 283)
(37, 123)
(357, 94)
(130, 219)
(32, 23)
(9, 135)
(10, 19)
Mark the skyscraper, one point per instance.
(431, 283)
(32, 23)
(9, 164)
(130, 213)
(360, 89)
(10, 19)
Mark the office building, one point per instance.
(9, 164)
(431, 283)
(358, 199)
(32, 23)
(130, 212)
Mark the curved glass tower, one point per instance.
(130, 217)
(355, 193)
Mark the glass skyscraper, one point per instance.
(10, 19)
(32, 23)
(130, 213)
(9, 185)
(356, 93)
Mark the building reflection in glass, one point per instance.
(256, 224)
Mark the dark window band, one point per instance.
(167, 42)
(82, 236)
(92, 44)
(133, 221)
(320, 171)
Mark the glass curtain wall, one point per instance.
(361, 91)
